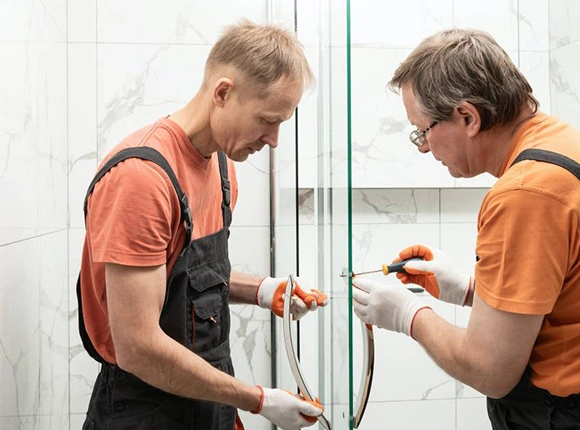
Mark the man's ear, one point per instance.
(470, 118)
(222, 91)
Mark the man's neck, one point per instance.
(194, 120)
(499, 140)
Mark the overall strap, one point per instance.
(549, 157)
(226, 193)
(151, 154)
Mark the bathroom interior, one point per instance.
(344, 191)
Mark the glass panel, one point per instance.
(312, 209)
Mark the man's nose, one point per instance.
(271, 139)
(423, 149)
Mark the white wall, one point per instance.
(82, 74)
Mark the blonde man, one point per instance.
(475, 112)
(156, 282)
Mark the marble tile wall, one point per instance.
(84, 73)
(33, 216)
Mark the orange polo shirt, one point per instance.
(528, 246)
(134, 216)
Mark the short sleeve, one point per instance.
(130, 215)
(522, 250)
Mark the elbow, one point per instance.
(498, 392)
(499, 387)
(127, 355)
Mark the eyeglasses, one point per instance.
(418, 137)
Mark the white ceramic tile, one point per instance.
(458, 240)
(534, 17)
(472, 414)
(82, 21)
(536, 68)
(54, 324)
(33, 21)
(400, 24)
(382, 156)
(83, 369)
(77, 421)
(20, 328)
(253, 205)
(20, 423)
(564, 15)
(33, 329)
(138, 84)
(250, 330)
(404, 371)
(419, 415)
(565, 83)
(376, 244)
(313, 126)
(461, 205)
(497, 17)
(395, 206)
(319, 23)
(33, 137)
(82, 126)
(179, 21)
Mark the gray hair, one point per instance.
(460, 65)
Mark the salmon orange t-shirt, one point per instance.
(528, 249)
(134, 217)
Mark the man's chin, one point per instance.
(239, 157)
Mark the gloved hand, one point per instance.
(437, 274)
(270, 295)
(286, 410)
(391, 307)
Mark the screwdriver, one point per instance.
(388, 268)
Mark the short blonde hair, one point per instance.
(262, 53)
(465, 65)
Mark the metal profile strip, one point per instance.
(292, 359)
(367, 375)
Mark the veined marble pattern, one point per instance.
(565, 83)
(33, 140)
(179, 21)
(34, 331)
(33, 21)
(534, 22)
(82, 126)
(564, 14)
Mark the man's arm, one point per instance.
(490, 355)
(243, 287)
(135, 298)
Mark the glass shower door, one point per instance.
(312, 213)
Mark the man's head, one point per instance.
(256, 75)
(461, 76)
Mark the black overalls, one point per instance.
(195, 314)
(528, 407)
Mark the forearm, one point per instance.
(169, 366)
(454, 351)
(243, 287)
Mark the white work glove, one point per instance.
(391, 307)
(270, 295)
(286, 410)
(437, 274)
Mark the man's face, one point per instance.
(447, 140)
(245, 125)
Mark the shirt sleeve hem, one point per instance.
(139, 260)
(513, 306)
